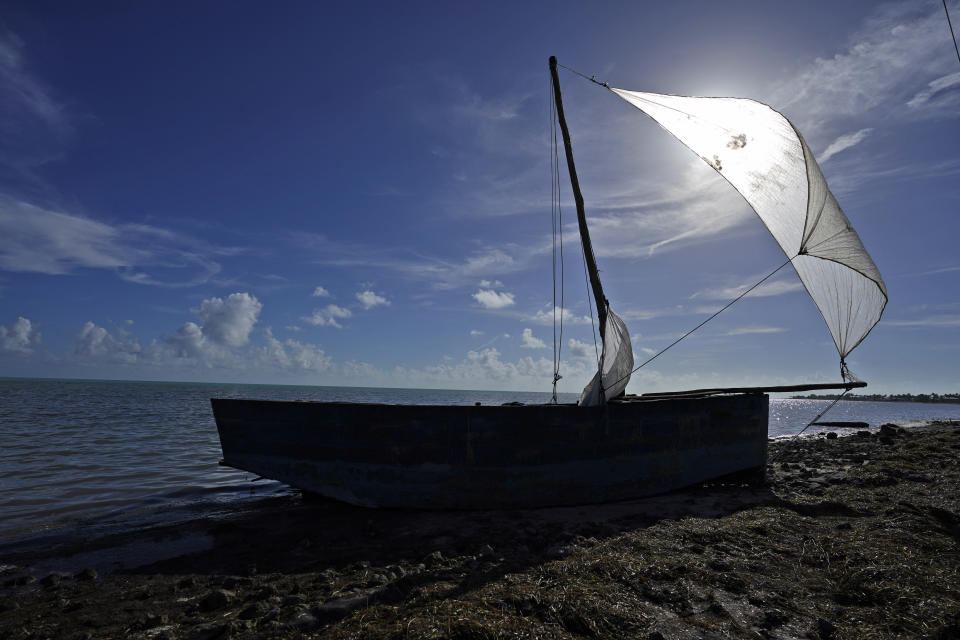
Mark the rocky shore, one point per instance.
(852, 537)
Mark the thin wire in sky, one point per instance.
(955, 47)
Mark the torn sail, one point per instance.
(762, 154)
(616, 364)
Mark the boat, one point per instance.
(608, 446)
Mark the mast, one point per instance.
(598, 296)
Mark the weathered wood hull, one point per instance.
(493, 457)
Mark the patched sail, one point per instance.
(762, 154)
(616, 364)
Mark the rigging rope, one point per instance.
(956, 48)
(724, 308)
(809, 424)
(556, 215)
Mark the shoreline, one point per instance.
(853, 536)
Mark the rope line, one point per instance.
(809, 424)
(724, 308)
(956, 48)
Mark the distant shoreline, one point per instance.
(932, 398)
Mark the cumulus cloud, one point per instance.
(320, 292)
(582, 349)
(475, 332)
(529, 341)
(329, 316)
(293, 355)
(94, 342)
(21, 337)
(845, 142)
(369, 299)
(490, 299)
(229, 322)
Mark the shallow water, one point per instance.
(100, 452)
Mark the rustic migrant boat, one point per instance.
(608, 446)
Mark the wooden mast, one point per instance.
(598, 296)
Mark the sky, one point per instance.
(360, 193)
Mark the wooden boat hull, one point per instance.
(493, 457)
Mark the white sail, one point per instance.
(616, 364)
(762, 154)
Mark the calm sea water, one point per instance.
(98, 453)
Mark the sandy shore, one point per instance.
(853, 537)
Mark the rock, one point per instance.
(52, 581)
(655, 635)
(889, 429)
(339, 608)
(485, 551)
(216, 599)
(208, 632)
(188, 582)
(863, 434)
(256, 610)
(773, 618)
(434, 559)
(155, 621)
(86, 575)
(831, 435)
(825, 628)
(305, 621)
(844, 526)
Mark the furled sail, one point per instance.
(616, 364)
(762, 154)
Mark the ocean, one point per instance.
(98, 455)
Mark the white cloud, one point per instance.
(38, 240)
(845, 142)
(293, 355)
(490, 299)
(21, 337)
(582, 349)
(889, 63)
(529, 341)
(547, 316)
(491, 284)
(229, 322)
(475, 332)
(320, 292)
(752, 329)
(944, 321)
(934, 88)
(96, 343)
(767, 289)
(328, 316)
(369, 299)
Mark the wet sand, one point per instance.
(852, 537)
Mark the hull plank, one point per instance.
(492, 457)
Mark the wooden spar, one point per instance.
(780, 389)
(598, 296)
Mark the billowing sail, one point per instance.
(762, 154)
(616, 364)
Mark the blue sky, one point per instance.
(360, 195)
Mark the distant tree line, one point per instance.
(949, 398)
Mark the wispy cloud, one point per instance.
(752, 329)
(844, 142)
(38, 240)
(33, 124)
(766, 290)
(944, 321)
